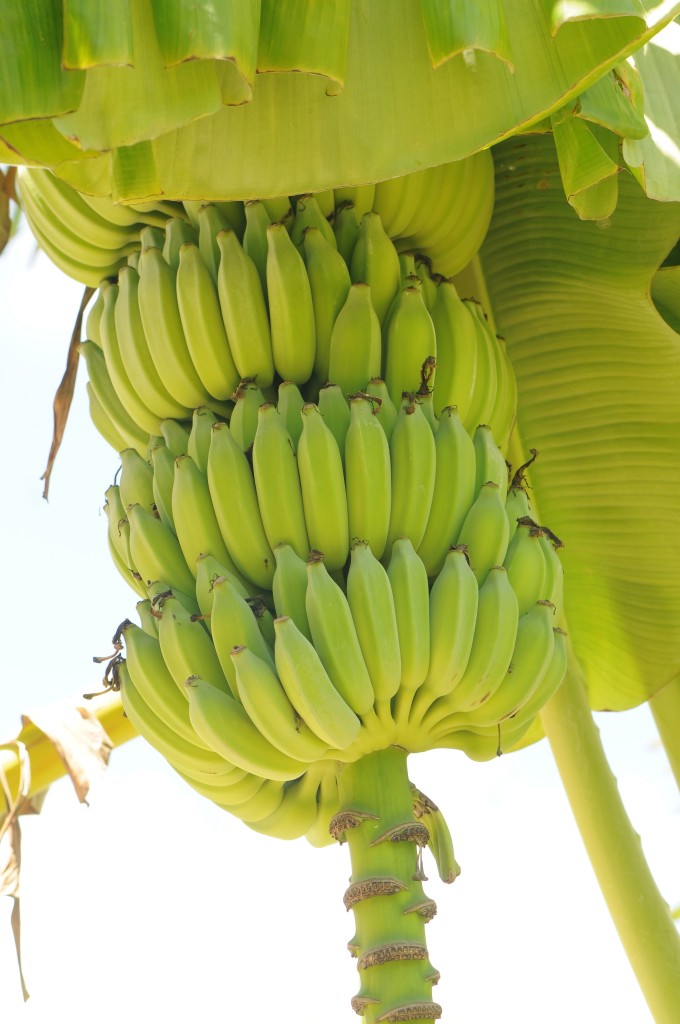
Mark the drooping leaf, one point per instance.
(296, 35)
(598, 374)
(588, 165)
(616, 102)
(458, 25)
(562, 12)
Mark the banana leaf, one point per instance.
(598, 373)
(393, 112)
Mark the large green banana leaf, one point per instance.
(389, 86)
(598, 373)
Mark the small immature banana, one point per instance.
(210, 221)
(103, 422)
(493, 643)
(375, 262)
(363, 197)
(132, 432)
(195, 762)
(178, 232)
(194, 517)
(346, 229)
(517, 506)
(308, 215)
(453, 613)
(309, 688)
(454, 490)
(277, 482)
(156, 552)
(328, 804)
(335, 411)
(136, 480)
(200, 436)
(290, 405)
(372, 604)
(387, 411)
(484, 397)
(490, 461)
(525, 565)
(236, 508)
(367, 475)
(135, 351)
(291, 312)
(265, 700)
(530, 660)
(224, 725)
(155, 685)
(329, 282)
(163, 462)
(554, 577)
(322, 483)
(297, 811)
(335, 639)
(146, 618)
(233, 624)
(547, 687)
(408, 580)
(290, 588)
(164, 332)
(244, 311)
(208, 571)
(485, 531)
(355, 343)
(243, 423)
(176, 437)
(413, 457)
(255, 242)
(119, 540)
(201, 318)
(410, 340)
(185, 643)
(456, 353)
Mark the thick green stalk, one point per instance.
(665, 706)
(637, 908)
(385, 893)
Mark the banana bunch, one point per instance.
(323, 592)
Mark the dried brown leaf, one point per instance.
(64, 395)
(79, 739)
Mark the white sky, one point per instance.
(153, 904)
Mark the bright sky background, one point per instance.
(154, 904)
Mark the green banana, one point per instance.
(372, 605)
(265, 700)
(408, 580)
(484, 396)
(120, 380)
(224, 725)
(236, 508)
(156, 552)
(103, 422)
(309, 687)
(297, 811)
(355, 343)
(196, 762)
(201, 318)
(291, 311)
(335, 411)
(554, 576)
(485, 530)
(118, 533)
(456, 333)
(94, 317)
(255, 242)
(375, 262)
(244, 311)
(233, 624)
(146, 618)
(208, 570)
(335, 639)
(346, 229)
(200, 435)
(176, 437)
(328, 805)
(387, 411)
(135, 352)
(329, 282)
(549, 684)
(178, 232)
(363, 197)
(413, 458)
(368, 475)
(194, 517)
(243, 423)
(322, 485)
(290, 405)
(136, 480)
(525, 565)
(210, 221)
(155, 685)
(490, 461)
(308, 214)
(163, 462)
(290, 588)
(410, 340)
(517, 506)
(454, 490)
(186, 645)
(162, 323)
(277, 483)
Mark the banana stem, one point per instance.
(665, 707)
(386, 894)
(637, 908)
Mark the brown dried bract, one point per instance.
(359, 1003)
(344, 820)
(408, 832)
(426, 909)
(412, 1011)
(390, 952)
(371, 887)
